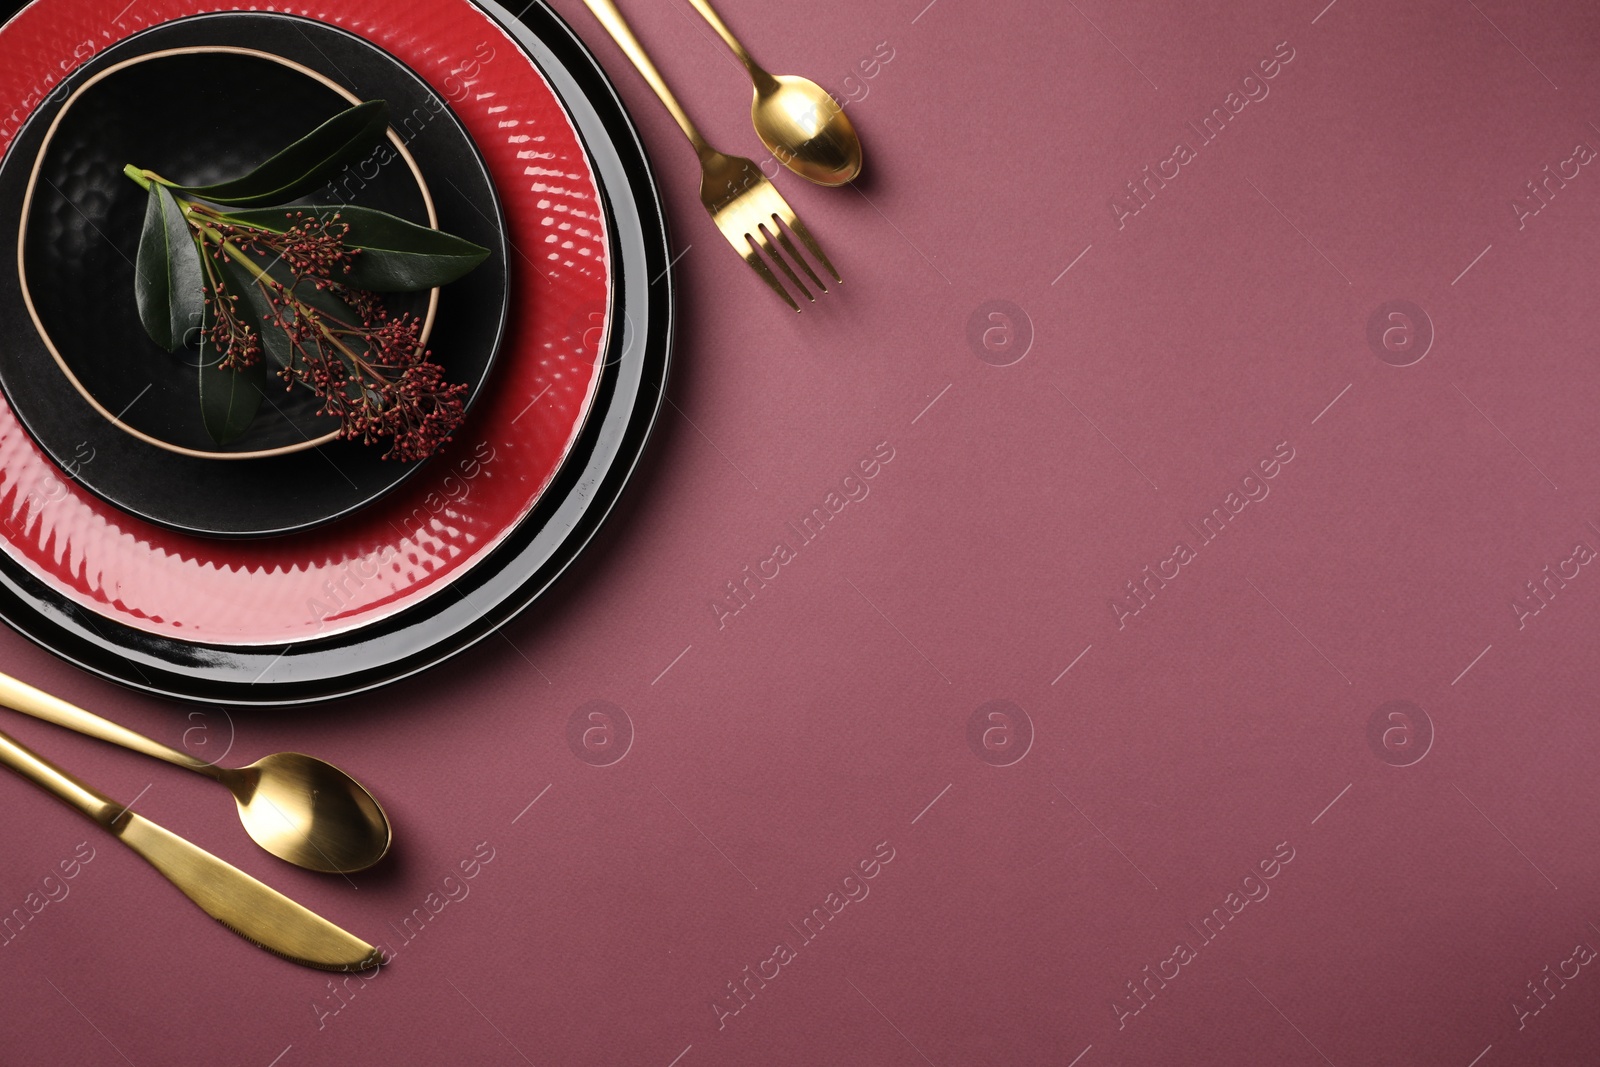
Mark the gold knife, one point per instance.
(256, 912)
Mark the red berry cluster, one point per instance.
(230, 331)
(370, 368)
(311, 247)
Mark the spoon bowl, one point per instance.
(309, 812)
(805, 129)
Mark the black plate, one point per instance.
(82, 235)
(534, 555)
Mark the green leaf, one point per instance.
(306, 164)
(229, 398)
(395, 256)
(167, 281)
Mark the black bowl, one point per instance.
(177, 105)
(193, 118)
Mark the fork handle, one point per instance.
(622, 33)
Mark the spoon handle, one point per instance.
(19, 696)
(710, 15)
(617, 26)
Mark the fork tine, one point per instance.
(752, 257)
(811, 242)
(765, 240)
(788, 245)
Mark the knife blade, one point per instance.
(253, 910)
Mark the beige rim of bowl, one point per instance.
(22, 234)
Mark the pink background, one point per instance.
(1228, 717)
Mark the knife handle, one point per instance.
(52, 779)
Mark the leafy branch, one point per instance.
(298, 287)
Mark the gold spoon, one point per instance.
(802, 126)
(298, 808)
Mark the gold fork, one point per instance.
(749, 211)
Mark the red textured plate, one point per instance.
(412, 544)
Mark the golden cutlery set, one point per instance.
(296, 807)
(310, 813)
(801, 125)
